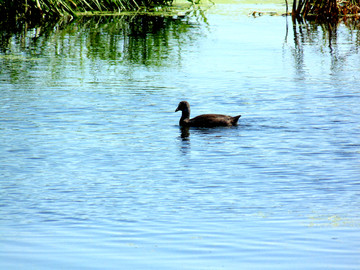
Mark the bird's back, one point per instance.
(213, 120)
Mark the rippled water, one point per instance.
(96, 174)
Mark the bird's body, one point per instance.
(204, 120)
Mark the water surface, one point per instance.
(96, 174)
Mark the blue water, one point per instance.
(96, 174)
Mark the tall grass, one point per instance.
(325, 10)
(58, 8)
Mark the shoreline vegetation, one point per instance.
(45, 11)
(54, 9)
(324, 10)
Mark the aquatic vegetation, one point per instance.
(58, 8)
(325, 10)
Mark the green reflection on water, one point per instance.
(131, 40)
(138, 39)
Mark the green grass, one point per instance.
(58, 8)
(53, 9)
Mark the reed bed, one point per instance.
(324, 10)
(58, 8)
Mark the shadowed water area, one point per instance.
(95, 172)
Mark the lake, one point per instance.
(96, 173)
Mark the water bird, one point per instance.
(204, 120)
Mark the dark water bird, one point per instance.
(204, 120)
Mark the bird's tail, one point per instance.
(235, 119)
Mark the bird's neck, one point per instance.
(185, 115)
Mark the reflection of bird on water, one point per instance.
(204, 120)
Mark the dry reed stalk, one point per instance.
(325, 10)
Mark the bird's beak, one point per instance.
(177, 109)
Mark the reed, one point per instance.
(349, 7)
(58, 8)
(324, 10)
